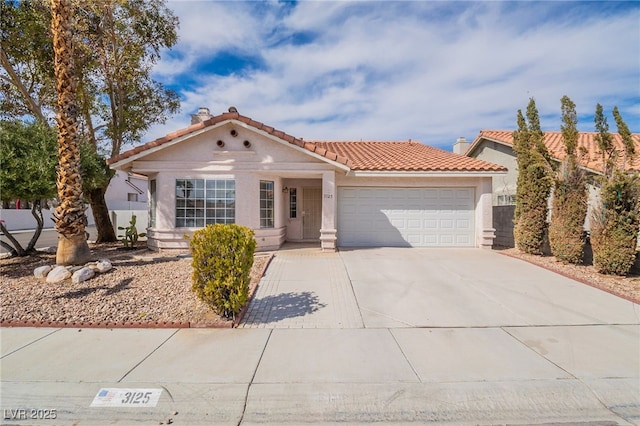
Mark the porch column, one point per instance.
(328, 229)
(487, 231)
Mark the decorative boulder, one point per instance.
(103, 265)
(41, 271)
(58, 274)
(82, 275)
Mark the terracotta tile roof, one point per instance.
(404, 156)
(373, 156)
(591, 157)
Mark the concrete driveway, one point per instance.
(399, 287)
(409, 287)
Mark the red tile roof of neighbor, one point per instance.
(590, 156)
(362, 156)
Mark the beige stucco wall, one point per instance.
(200, 157)
(269, 158)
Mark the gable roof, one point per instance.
(360, 156)
(589, 154)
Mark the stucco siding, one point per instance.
(499, 154)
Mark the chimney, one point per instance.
(202, 115)
(461, 145)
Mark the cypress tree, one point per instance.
(534, 182)
(616, 221)
(569, 209)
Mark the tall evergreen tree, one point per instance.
(534, 182)
(615, 223)
(569, 208)
(605, 142)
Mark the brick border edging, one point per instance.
(579, 279)
(142, 324)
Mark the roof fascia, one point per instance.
(144, 153)
(390, 174)
(119, 164)
(479, 141)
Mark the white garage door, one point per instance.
(417, 217)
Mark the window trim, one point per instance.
(209, 201)
(293, 203)
(267, 204)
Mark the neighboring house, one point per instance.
(126, 196)
(496, 146)
(231, 169)
(127, 191)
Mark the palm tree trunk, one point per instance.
(69, 215)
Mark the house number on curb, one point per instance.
(117, 397)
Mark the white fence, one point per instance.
(18, 220)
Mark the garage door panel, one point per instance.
(426, 217)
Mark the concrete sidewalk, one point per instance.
(377, 338)
(444, 376)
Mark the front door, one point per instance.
(311, 213)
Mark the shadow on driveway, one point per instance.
(282, 306)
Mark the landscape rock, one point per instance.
(82, 275)
(58, 274)
(42, 271)
(103, 265)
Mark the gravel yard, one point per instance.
(143, 287)
(149, 288)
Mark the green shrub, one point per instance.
(222, 261)
(566, 230)
(534, 182)
(615, 225)
(530, 225)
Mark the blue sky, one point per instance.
(423, 70)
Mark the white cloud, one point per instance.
(427, 71)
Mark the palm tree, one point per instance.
(69, 215)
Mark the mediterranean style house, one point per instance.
(230, 168)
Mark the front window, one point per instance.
(266, 204)
(201, 202)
